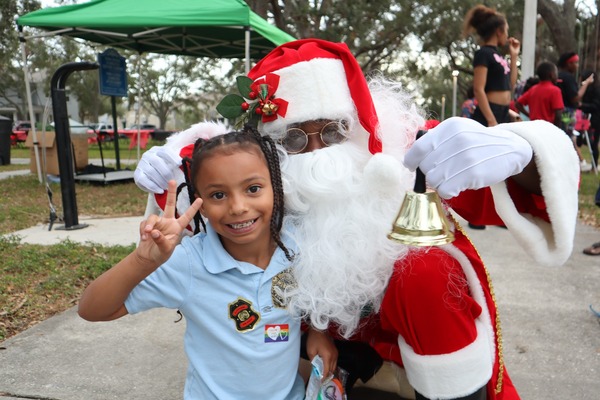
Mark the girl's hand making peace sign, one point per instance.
(160, 234)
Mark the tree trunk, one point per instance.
(561, 21)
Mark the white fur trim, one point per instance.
(457, 374)
(558, 166)
(383, 171)
(314, 89)
(205, 130)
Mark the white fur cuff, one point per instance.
(558, 166)
(448, 376)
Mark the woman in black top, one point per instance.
(493, 78)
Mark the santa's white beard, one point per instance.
(343, 201)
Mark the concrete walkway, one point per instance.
(551, 338)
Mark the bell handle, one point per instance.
(420, 185)
(419, 182)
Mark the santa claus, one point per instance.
(348, 159)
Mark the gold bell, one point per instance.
(421, 220)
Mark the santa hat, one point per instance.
(318, 80)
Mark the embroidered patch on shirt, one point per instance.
(282, 281)
(277, 333)
(241, 312)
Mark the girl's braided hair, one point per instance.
(244, 139)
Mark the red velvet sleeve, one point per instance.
(477, 206)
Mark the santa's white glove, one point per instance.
(156, 168)
(461, 154)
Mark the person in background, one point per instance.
(590, 106)
(544, 100)
(428, 312)
(493, 79)
(568, 65)
(469, 105)
(241, 343)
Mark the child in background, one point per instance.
(240, 340)
(469, 105)
(545, 98)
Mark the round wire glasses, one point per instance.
(296, 139)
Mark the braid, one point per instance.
(186, 165)
(269, 149)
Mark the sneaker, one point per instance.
(584, 166)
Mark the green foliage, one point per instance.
(231, 106)
(406, 40)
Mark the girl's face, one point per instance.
(237, 199)
(502, 35)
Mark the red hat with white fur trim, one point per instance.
(318, 80)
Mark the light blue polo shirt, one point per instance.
(238, 344)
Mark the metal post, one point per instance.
(247, 49)
(443, 107)
(454, 87)
(529, 33)
(30, 105)
(113, 104)
(63, 140)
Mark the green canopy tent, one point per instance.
(201, 28)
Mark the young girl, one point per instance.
(240, 341)
(493, 78)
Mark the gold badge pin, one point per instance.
(241, 312)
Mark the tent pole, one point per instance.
(139, 101)
(30, 104)
(247, 49)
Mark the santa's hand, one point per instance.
(461, 154)
(156, 168)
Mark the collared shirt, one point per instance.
(240, 345)
(543, 99)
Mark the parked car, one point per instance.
(22, 126)
(150, 129)
(19, 132)
(102, 131)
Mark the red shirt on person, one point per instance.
(543, 100)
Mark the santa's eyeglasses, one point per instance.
(296, 139)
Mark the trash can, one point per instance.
(5, 132)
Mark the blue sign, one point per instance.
(113, 73)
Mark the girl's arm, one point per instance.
(514, 46)
(479, 81)
(320, 343)
(104, 298)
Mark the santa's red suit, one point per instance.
(436, 314)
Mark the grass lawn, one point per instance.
(36, 281)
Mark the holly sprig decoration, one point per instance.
(256, 101)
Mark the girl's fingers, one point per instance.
(185, 219)
(171, 200)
